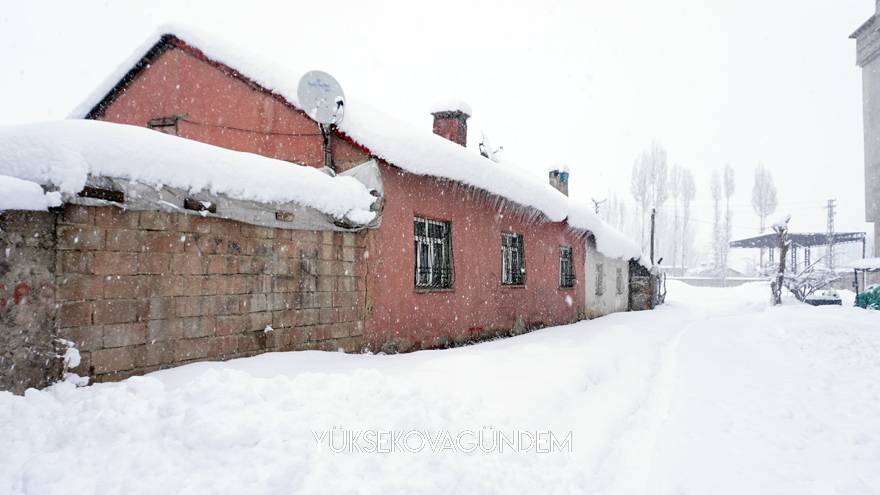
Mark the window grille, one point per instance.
(513, 267)
(620, 284)
(600, 279)
(566, 267)
(432, 241)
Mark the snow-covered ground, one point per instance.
(713, 393)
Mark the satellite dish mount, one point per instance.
(321, 97)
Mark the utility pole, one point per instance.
(653, 216)
(829, 257)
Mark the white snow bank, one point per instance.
(62, 154)
(865, 264)
(713, 393)
(418, 151)
(17, 194)
(451, 106)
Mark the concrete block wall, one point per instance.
(29, 352)
(142, 290)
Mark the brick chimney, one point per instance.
(559, 180)
(450, 121)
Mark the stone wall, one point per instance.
(137, 291)
(28, 350)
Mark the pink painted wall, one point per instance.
(225, 111)
(477, 302)
(181, 81)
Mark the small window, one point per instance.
(433, 254)
(566, 267)
(620, 284)
(600, 279)
(513, 268)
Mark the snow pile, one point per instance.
(17, 194)
(451, 106)
(715, 392)
(415, 150)
(62, 154)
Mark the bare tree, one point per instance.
(729, 189)
(675, 176)
(638, 186)
(688, 192)
(764, 200)
(715, 189)
(781, 229)
(648, 181)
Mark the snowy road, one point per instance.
(713, 393)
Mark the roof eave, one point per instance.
(861, 29)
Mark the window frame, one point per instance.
(600, 279)
(620, 282)
(513, 257)
(426, 275)
(566, 267)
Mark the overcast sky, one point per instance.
(589, 82)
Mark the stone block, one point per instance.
(122, 335)
(113, 217)
(189, 349)
(75, 314)
(81, 238)
(114, 360)
(157, 220)
(74, 286)
(114, 263)
(120, 311)
(305, 317)
(124, 240)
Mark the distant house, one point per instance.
(867, 38)
(460, 248)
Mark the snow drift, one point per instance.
(17, 194)
(63, 154)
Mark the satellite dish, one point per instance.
(321, 97)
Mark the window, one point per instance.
(600, 279)
(566, 267)
(620, 284)
(513, 266)
(433, 254)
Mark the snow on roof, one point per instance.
(451, 106)
(418, 151)
(865, 264)
(62, 154)
(18, 194)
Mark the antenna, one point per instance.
(321, 97)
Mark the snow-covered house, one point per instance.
(434, 243)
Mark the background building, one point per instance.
(868, 48)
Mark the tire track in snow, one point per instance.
(627, 465)
(626, 468)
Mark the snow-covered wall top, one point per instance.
(418, 151)
(18, 194)
(62, 154)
